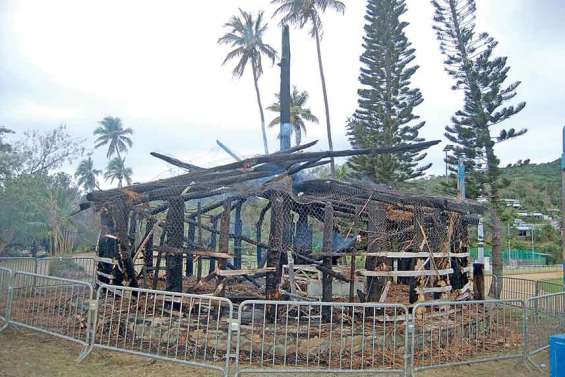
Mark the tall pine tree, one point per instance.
(481, 76)
(385, 116)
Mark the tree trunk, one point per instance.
(497, 268)
(263, 131)
(325, 94)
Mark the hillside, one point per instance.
(537, 186)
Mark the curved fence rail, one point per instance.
(278, 336)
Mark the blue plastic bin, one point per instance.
(557, 355)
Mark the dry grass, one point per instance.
(29, 354)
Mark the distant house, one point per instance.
(538, 216)
(514, 203)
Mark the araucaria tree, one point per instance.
(307, 12)
(385, 114)
(245, 37)
(472, 132)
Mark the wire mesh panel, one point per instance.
(180, 327)
(448, 333)
(278, 336)
(546, 317)
(52, 305)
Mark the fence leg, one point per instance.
(409, 348)
(8, 311)
(90, 329)
(525, 340)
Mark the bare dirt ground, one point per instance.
(539, 276)
(29, 354)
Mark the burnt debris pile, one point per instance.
(260, 227)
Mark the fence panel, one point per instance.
(23, 264)
(68, 267)
(546, 317)
(180, 327)
(279, 336)
(458, 332)
(516, 288)
(76, 268)
(52, 305)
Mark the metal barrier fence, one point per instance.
(56, 306)
(284, 336)
(546, 317)
(179, 327)
(23, 264)
(523, 289)
(461, 332)
(278, 336)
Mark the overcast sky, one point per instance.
(156, 65)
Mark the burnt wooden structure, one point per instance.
(249, 221)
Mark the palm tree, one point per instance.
(299, 114)
(301, 13)
(117, 169)
(112, 132)
(86, 175)
(245, 36)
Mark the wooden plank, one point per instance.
(253, 271)
(392, 254)
(447, 288)
(405, 273)
(105, 260)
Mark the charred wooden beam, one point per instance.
(217, 174)
(176, 162)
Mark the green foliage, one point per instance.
(112, 133)
(36, 209)
(245, 38)
(481, 76)
(35, 200)
(303, 12)
(87, 175)
(117, 170)
(299, 113)
(385, 114)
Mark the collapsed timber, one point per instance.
(206, 232)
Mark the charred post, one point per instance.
(174, 228)
(376, 234)
(327, 248)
